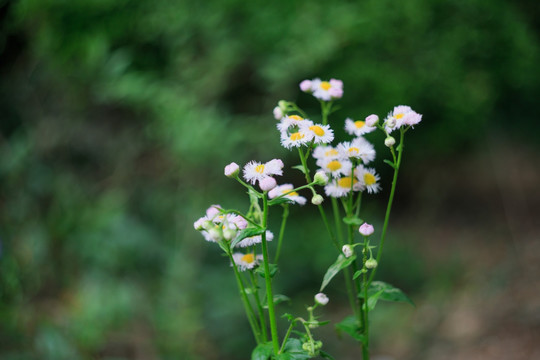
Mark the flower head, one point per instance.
(401, 115)
(327, 90)
(358, 127)
(257, 239)
(359, 148)
(320, 134)
(336, 167)
(298, 138)
(255, 170)
(246, 261)
(340, 187)
(369, 179)
(286, 189)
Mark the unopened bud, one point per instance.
(229, 234)
(347, 250)
(317, 199)
(232, 169)
(305, 86)
(267, 184)
(391, 122)
(372, 120)
(389, 141)
(320, 178)
(321, 299)
(371, 263)
(366, 229)
(215, 234)
(278, 113)
(198, 225)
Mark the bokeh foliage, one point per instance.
(118, 116)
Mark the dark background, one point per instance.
(117, 118)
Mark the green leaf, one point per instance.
(357, 274)
(293, 351)
(353, 220)
(272, 267)
(262, 351)
(278, 298)
(299, 167)
(390, 163)
(384, 291)
(247, 232)
(325, 355)
(350, 326)
(341, 263)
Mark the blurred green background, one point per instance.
(117, 118)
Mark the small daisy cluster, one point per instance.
(402, 115)
(323, 90)
(296, 131)
(344, 164)
(217, 226)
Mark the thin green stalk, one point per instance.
(247, 305)
(287, 334)
(397, 164)
(365, 344)
(268, 280)
(282, 231)
(337, 219)
(262, 317)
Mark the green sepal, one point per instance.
(299, 167)
(263, 351)
(341, 263)
(379, 290)
(350, 326)
(278, 298)
(272, 267)
(280, 200)
(247, 232)
(390, 163)
(353, 220)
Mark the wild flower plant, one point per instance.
(344, 173)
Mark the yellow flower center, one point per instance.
(399, 116)
(294, 193)
(296, 117)
(334, 165)
(259, 168)
(296, 136)
(332, 152)
(249, 258)
(325, 85)
(369, 179)
(359, 124)
(317, 130)
(353, 149)
(346, 182)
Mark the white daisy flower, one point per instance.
(336, 167)
(342, 186)
(401, 115)
(257, 239)
(255, 170)
(359, 148)
(327, 90)
(369, 179)
(295, 139)
(286, 189)
(358, 127)
(320, 134)
(291, 121)
(325, 152)
(246, 261)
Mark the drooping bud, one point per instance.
(366, 229)
(317, 199)
(372, 120)
(232, 170)
(320, 178)
(321, 299)
(371, 263)
(389, 141)
(267, 184)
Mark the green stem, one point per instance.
(365, 315)
(337, 219)
(247, 305)
(268, 280)
(262, 317)
(389, 206)
(282, 231)
(289, 330)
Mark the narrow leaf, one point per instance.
(278, 298)
(390, 163)
(341, 263)
(353, 220)
(247, 232)
(384, 291)
(357, 274)
(280, 200)
(350, 326)
(299, 167)
(272, 267)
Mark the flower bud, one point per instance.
(347, 250)
(371, 263)
(372, 120)
(215, 234)
(198, 225)
(320, 178)
(278, 113)
(267, 184)
(305, 86)
(391, 122)
(207, 225)
(212, 211)
(366, 229)
(229, 233)
(321, 299)
(232, 169)
(389, 141)
(317, 199)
